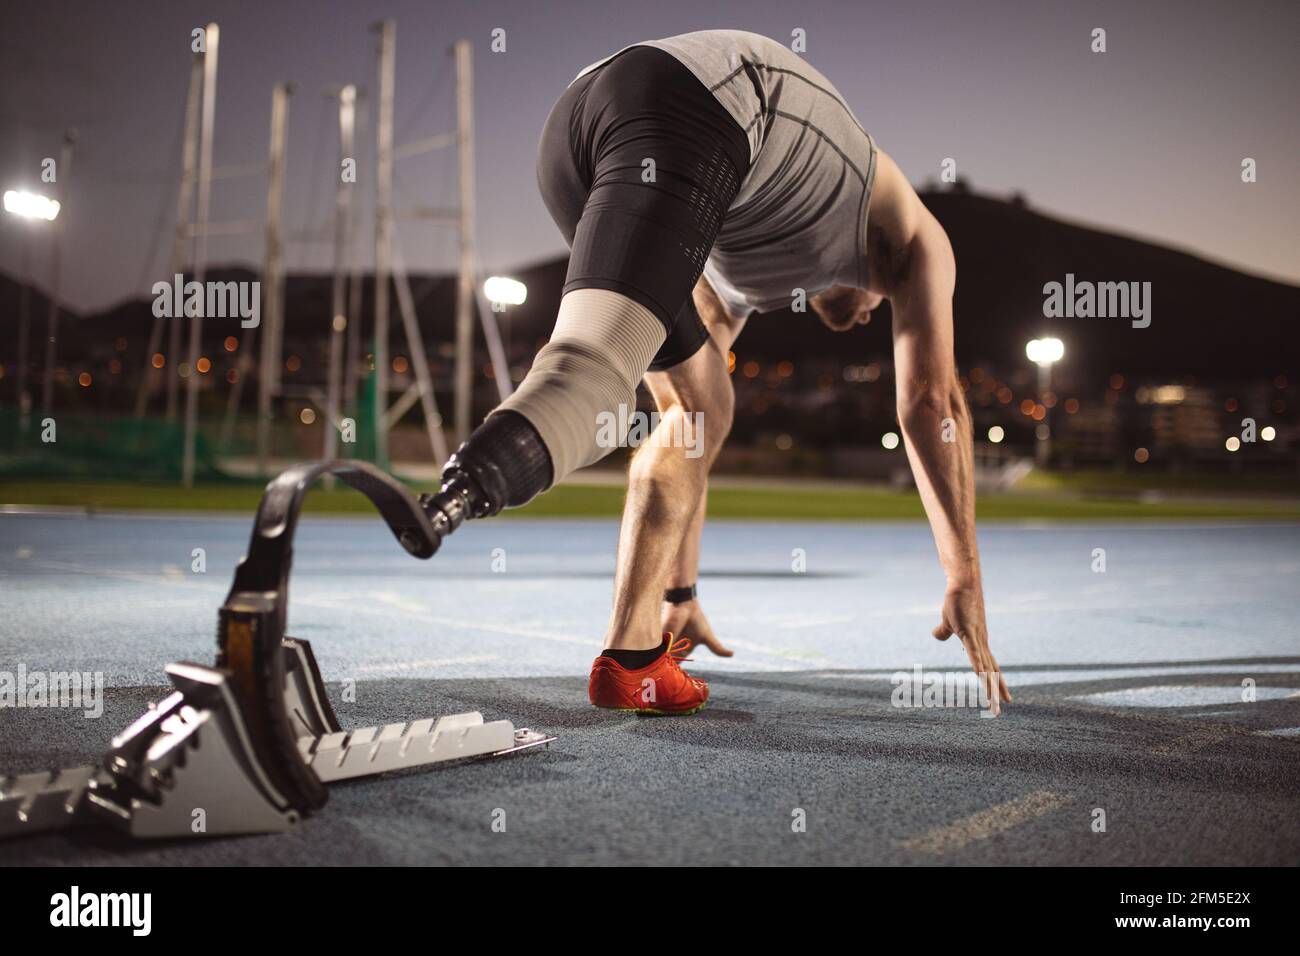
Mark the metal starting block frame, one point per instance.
(246, 746)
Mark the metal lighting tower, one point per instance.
(272, 285)
(390, 264)
(465, 292)
(176, 263)
(352, 342)
(339, 318)
(383, 233)
(200, 247)
(268, 379)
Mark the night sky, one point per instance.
(1146, 139)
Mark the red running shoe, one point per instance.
(661, 688)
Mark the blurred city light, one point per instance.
(1268, 433)
(505, 291)
(1044, 351)
(996, 434)
(31, 205)
(889, 440)
(1233, 443)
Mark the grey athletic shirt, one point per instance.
(800, 218)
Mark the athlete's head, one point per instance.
(842, 306)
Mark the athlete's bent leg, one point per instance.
(666, 488)
(685, 618)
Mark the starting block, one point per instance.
(247, 746)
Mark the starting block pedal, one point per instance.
(337, 754)
(246, 746)
(371, 750)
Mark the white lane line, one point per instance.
(1281, 732)
(986, 823)
(409, 606)
(707, 663)
(162, 578)
(402, 666)
(792, 654)
(998, 607)
(1050, 676)
(813, 622)
(1193, 695)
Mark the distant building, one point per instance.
(1184, 419)
(1092, 434)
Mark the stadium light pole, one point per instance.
(56, 276)
(1044, 353)
(29, 207)
(503, 292)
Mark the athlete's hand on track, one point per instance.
(688, 621)
(963, 615)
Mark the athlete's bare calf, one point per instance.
(659, 542)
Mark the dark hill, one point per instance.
(1207, 320)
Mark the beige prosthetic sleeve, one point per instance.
(602, 344)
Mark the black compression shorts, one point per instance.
(634, 227)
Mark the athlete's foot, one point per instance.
(658, 687)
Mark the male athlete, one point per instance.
(697, 180)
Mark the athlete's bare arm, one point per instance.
(912, 264)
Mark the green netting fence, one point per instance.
(75, 447)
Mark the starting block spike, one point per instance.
(47, 800)
(194, 769)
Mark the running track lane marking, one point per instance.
(397, 603)
(435, 662)
(986, 823)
